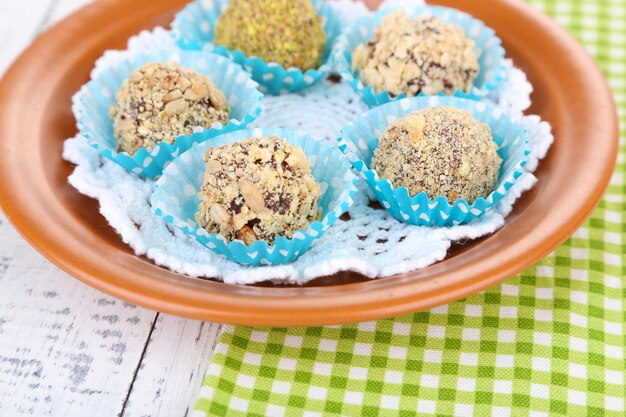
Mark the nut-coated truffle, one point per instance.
(442, 151)
(288, 32)
(413, 56)
(161, 101)
(257, 189)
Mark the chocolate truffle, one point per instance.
(442, 151)
(159, 102)
(257, 189)
(424, 55)
(288, 32)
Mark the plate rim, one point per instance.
(285, 307)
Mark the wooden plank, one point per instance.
(65, 349)
(70, 350)
(173, 368)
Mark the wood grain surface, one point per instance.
(67, 349)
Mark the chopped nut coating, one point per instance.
(160, 102)
(424, 55)
(288, 32)
(262, 187)
(442, 151)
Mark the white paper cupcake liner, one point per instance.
(359, 140)
(488, 45)
(194, 29)
(175, 197)
(91, 106)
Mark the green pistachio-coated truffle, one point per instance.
(288, 32)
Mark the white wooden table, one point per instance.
(67, 349)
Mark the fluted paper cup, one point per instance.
(175, 197)
(359, 140)
(194, 29)
(91, 107)
(488, 47)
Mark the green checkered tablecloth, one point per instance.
(547, 342)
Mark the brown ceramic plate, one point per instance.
(35, 119)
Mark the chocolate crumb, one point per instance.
(334, 78)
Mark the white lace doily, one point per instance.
(371, 242)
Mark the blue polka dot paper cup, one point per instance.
(175, 197)
(488, 47)
(91, 107)
(194, 28)
(359, 140)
